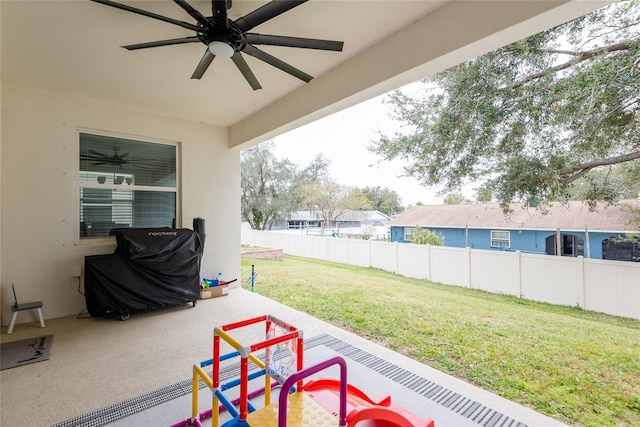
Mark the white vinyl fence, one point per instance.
(611, 287)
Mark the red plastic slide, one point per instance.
(361, 410)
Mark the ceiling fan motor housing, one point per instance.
(229, 34)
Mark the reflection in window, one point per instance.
(125, 183)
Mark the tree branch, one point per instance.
(616, 110)
(583, 56)
(560, 52)
(586, 167)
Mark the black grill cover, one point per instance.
(151, 268)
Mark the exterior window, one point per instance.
(621, 249)
(500, 239)
(408, 234)
(125, 183)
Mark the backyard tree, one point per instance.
(621, 180)
(317, 170)
(528, 121)
(454, 199)
(272, 188)
(331, 199)
(267, 185)
(384, 200)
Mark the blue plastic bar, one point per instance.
(228, 405)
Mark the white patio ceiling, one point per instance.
(73, 47)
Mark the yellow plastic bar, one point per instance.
(225, 336)
(208, 381)
(235, 344)
(259, 363)
(267, 390)
(194, 395)
(198, 372)
(215, 413)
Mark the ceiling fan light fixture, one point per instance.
(222, 49)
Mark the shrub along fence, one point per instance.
(611, 287)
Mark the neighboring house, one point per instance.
(311, 219)
(575, 229)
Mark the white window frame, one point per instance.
(408, 234)
(500, 239)
(133, 187)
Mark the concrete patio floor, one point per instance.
(96, 362)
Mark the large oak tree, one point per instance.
(530, 120)
(267, 185)
(272, 188)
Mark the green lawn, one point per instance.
(578, 367)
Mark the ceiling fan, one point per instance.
(97, 158)
(228, 38)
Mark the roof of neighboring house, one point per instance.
(572, 216)
(354, 216)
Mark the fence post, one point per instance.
(397, 258)
(468, 266)
(519, 272)
(580, 281)
(348, 247)
(429, 262)
(326, 249)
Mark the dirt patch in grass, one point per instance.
(258, 252)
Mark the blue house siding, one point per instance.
(529, 241)
(453, 237)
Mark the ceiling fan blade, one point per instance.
(158, 43)
(219, 11)
(203, 64)
(246, 71)
(271, 40)
(272, 60)
(148, 14)
(266, 12)
(193, 12)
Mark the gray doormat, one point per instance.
(25, 352)
(374, 375)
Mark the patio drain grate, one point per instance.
(468, 408)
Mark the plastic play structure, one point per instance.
(319, 402)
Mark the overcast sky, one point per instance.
(343, 138)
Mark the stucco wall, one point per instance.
(39, 193)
